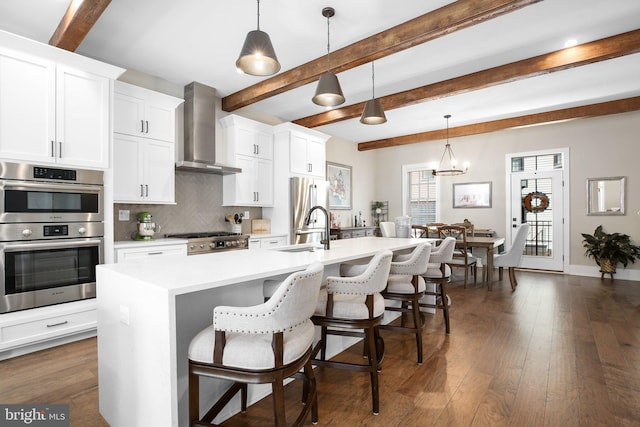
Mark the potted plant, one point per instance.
(610, 249)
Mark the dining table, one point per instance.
(491, 244)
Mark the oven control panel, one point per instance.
(53, 173)
(36, 231)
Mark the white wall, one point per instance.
(599, 147)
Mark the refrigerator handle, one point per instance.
(312, 200)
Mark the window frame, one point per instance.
(417, 167)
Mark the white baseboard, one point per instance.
(594, 271)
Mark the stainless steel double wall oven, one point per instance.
(51, 234)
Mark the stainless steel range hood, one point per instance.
(199, 150)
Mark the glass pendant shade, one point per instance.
(373, 113)
(328, 92)
(257, 56)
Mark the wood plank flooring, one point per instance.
(559, 351)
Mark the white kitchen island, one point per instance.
(148, 313)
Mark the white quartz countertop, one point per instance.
(144, 243)
(195, 273)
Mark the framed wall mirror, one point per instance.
(606, 196)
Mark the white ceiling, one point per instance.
(199, 40)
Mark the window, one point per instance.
(419, 194)
(543, 162)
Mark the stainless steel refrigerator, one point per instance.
(305, 194)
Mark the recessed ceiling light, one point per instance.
(570, 43)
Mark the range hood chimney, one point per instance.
(199, 149)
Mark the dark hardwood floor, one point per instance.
(559, 351)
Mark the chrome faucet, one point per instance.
(307, 220)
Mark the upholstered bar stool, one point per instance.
(406, 285)
(439, 273)
(266, 343)
(352, 304)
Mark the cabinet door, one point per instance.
(244, 140)
(127, 168)
(160, 122)
(246, 191)
(316, 157)
(128, 114)
(27, 108)
(158, 172)
(264, 182)
(298, 154)
(82, 118)
(264, 144)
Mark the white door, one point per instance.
(158, 172)
(537, 198)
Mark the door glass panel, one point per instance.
(537, 210)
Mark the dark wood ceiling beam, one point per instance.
(588, 53)
(77, 22)
(591, 110)
(448, 19)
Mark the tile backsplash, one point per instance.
(198, 208)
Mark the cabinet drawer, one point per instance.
(129, 255)
(41, 329)
(273, 242)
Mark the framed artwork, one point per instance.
(340, 192)
(472, 195)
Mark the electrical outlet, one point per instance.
(246, 215)
(123, 215)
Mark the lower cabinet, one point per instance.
(35, 329)
(267, 242)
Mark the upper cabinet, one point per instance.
(144, 113)
(249, 146)
(54, 105)
(306, 149)
(52, 114)
(144, 149)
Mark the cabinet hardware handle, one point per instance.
(142, 126)
(257, 196)
(60, 149)
(257, 149)
(146, 188)
(155, 253)
(58, 324)
(141, 191)
(53, 148)
(147, 122)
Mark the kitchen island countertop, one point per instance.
(148, 313)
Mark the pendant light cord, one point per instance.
(258, 15)
(373, 81)
(328, 46)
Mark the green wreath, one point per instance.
(541, 204)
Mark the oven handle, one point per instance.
(58, 244)
(60, 188)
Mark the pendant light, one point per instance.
(328, 92)
(373, 113)
(257, 56)
(449, 167)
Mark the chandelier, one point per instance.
(448, 163)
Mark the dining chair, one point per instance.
(432, 229)
(462, 257)
(512, 258)
(265, 343)
(468, 226)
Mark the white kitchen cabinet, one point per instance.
(52, 113)
(140, 251)
(38, 328)
(250, 147)
(266, 242)
(144, 113)
(307, 155)
(143, 170)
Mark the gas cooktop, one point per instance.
(203, 242)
